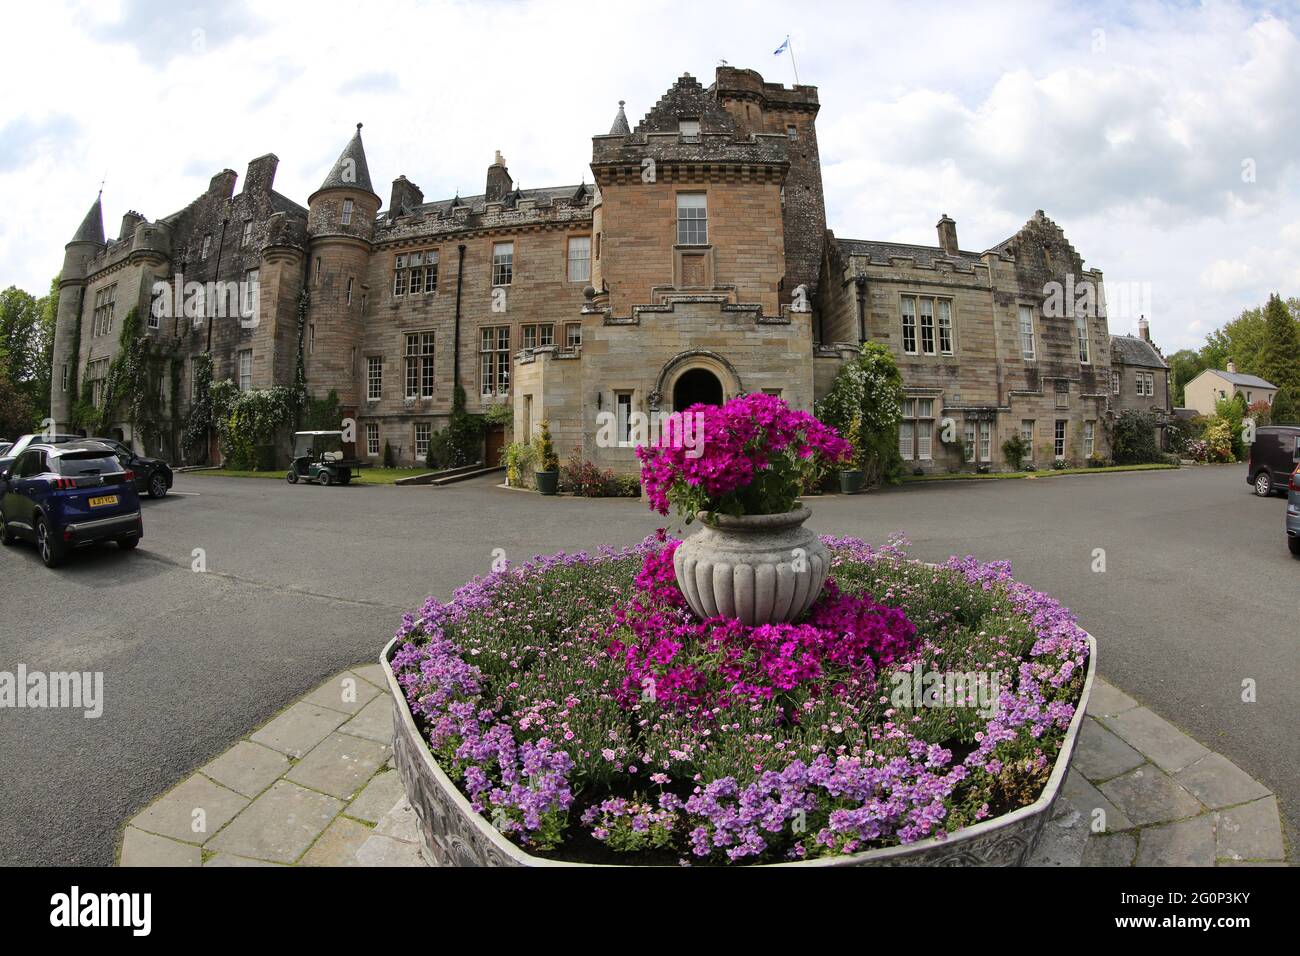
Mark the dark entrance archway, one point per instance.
(697, 386)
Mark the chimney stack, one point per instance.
(405, 196)
(129, 222)
(261, 175)
(947, 235)
(498, 180)
(1144, 329)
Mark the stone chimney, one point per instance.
(129, 222)
(947, 235)
(1144, 329)
(405, 196)
(1232, 366)
(498, 180)
(223, 183)
(261, 175)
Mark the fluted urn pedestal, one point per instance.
(759, 569)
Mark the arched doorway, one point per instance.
(696, 386)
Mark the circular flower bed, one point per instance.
(588, 715)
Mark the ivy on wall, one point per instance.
(133, 386)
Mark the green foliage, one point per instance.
(199, 418)
(322, 414)
(498, 413)
(1133, 439)
(1219, 437)
(1284, 411)
(864, 405)
(249, 422)
(1184, 365)
(520, 457)
(1279, 361)
(588, 480)
(389, 460)
(547, 459)
(1233, 411)
(464, 438)
(1015, 449)
(26, 355)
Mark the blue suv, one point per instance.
(63, 496)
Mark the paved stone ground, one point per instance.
(315, 786)
(1140, 792)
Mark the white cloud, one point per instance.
(1136, 148)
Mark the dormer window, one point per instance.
(347, 212)
(689, 129)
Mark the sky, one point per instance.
(1161, 136)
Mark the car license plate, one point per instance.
(104, 500)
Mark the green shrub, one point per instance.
(547, 459)
(1015, 449)
(1133, 439)
(518, 458)
(864, 405)
(389, 461)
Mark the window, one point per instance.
(494, 358)
(573, 335)
(1146, 383)
(374, 378)
(623, 403)
(102, 322)
(157, 304)
(349, 290)
(399, 276)
(1114, 382)
(251, 294)
(986, 441)
(96, 372)
(503, 263)
(579, 258)
(692, 219)
(346, 218)
(419, 365)
(689, 129)
(1027, 333)
(247, 235)
(372, 439)
(65, 378)
(909, 325)
(792, 132)
(1081, 326)
(1062, 393)
(945, 326)
(916, 429)
(311, 338)
(538, 336)
(1027, 436)
(1058, 446)
(1089, 430)
(207, 246)
(969, 440)
(431, 271)
(245, 370)
(927, 326)
(422, 432)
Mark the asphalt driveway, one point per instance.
(1198, 596)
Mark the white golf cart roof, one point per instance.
(296, 434)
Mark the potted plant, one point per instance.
(853, 477)
(752, 560)
(548, 472)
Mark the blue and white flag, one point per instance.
(782, 48)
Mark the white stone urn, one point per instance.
(760, 569)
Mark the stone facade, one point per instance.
(1140, 378)
(695, 266)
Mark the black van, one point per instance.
(1273, 458)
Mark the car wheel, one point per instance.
(157, 485)
(50, 548)
(6, 536)
(324, 479)
(291, 477)
(1263, 484)
(128, 542)
(1294, 545)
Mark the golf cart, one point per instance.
(319, 457)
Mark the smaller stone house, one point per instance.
(1139, 377)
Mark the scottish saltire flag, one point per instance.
(782, 48)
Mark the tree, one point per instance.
(1284, 410)
(17, 414)
(1279, 361)
(864, 406)
(1184, 365)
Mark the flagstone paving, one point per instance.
(315, 786)
(1140, 792)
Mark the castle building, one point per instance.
(695, 266)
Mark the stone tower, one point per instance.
(341, 227)
(759, 107)
(86, 243)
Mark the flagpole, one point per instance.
(792, 62)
